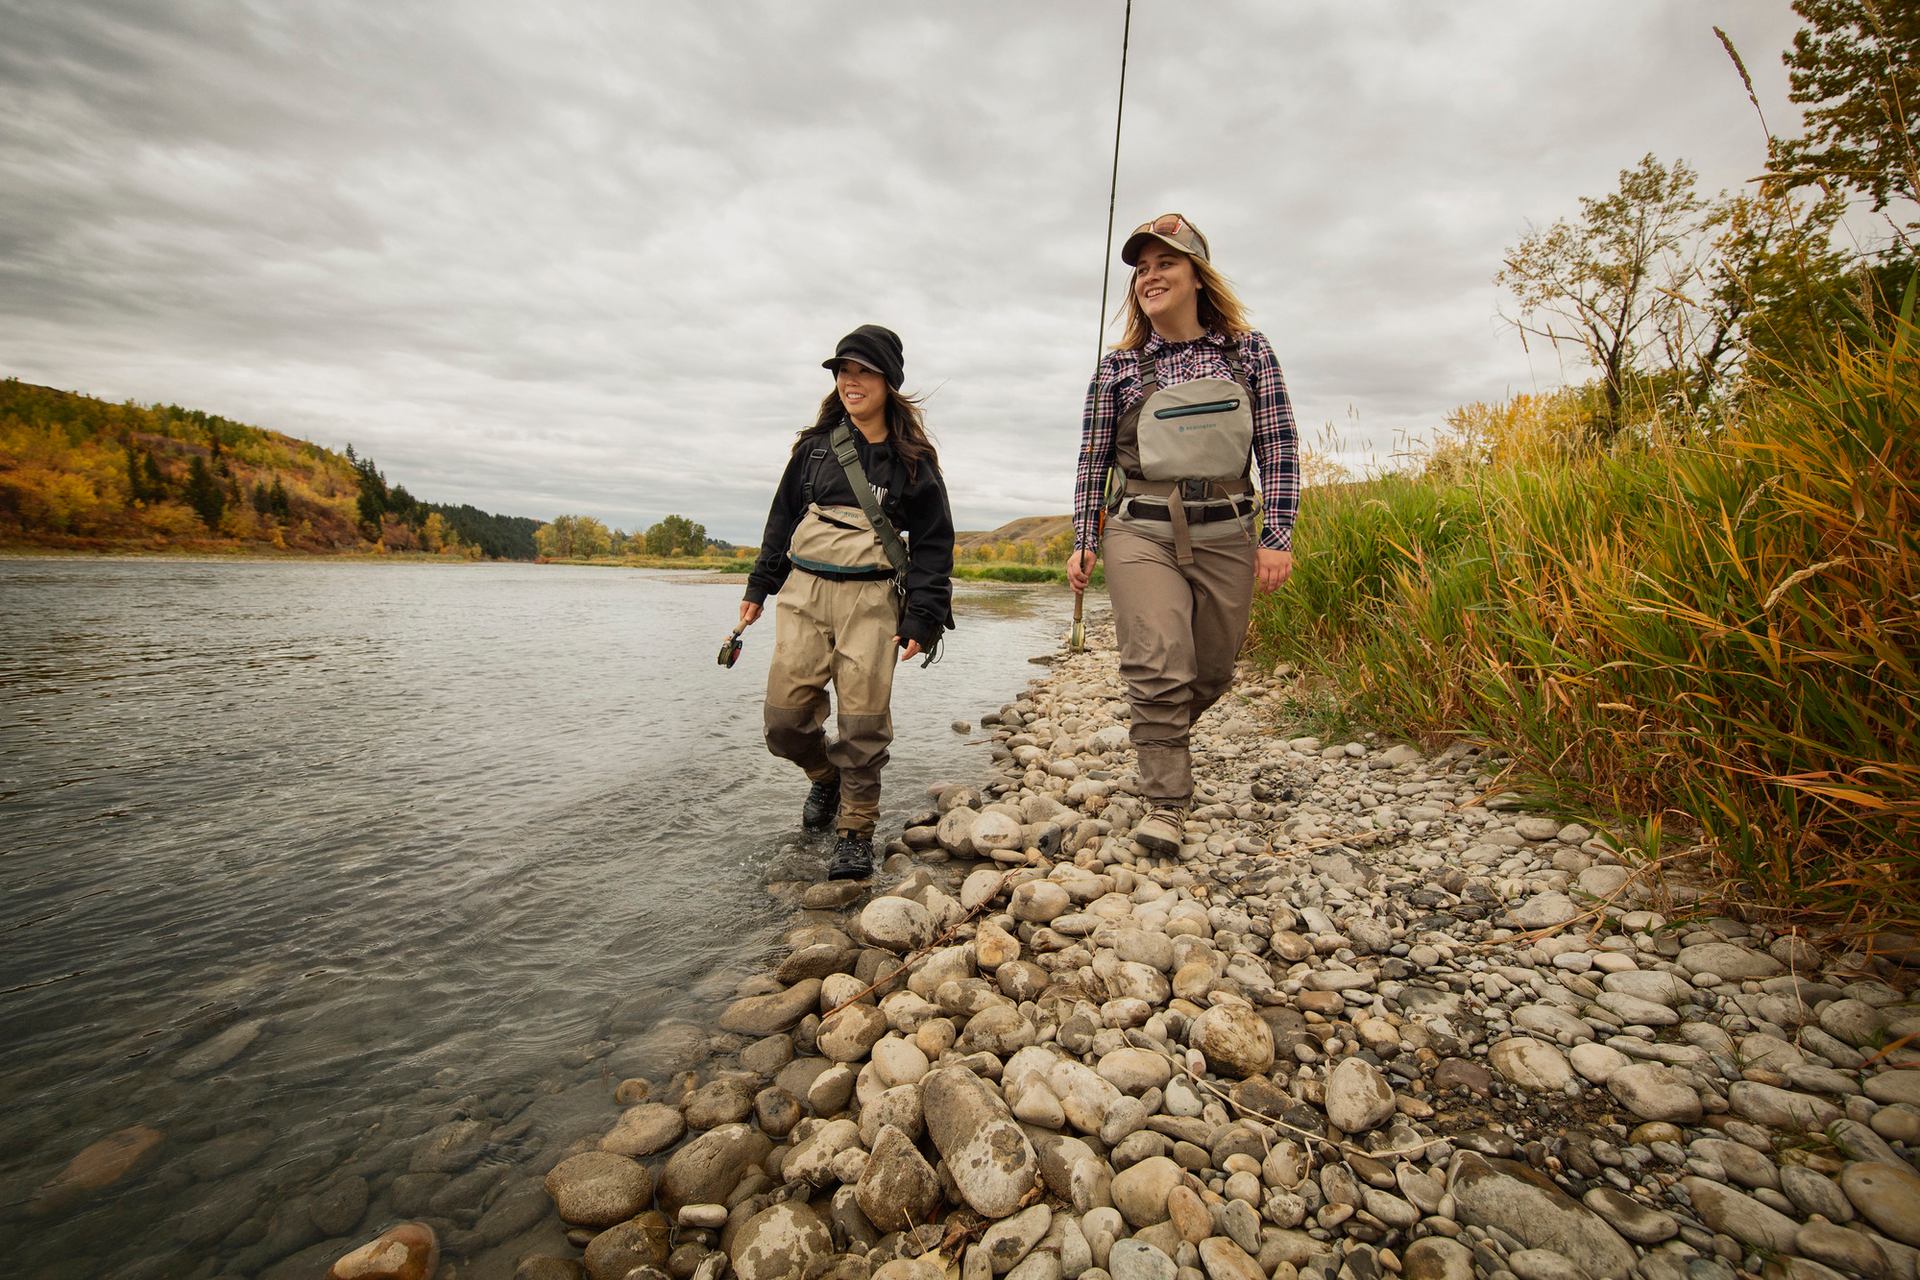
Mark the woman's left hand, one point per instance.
(1271, 568)
(912, 649)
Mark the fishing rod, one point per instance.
(1077, 641)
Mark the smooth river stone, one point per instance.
(768, 1014)
(1886, 1195)
(778, 1241)
(1733, 963)
(409, 1251)
(898, 924)
(898, 1189)
(644, 1129)
(1780, 1108)
(1358, 1096)
(1741, 1216)
(1532, 1064)
(1635, 1221)
(113, 1158)
(988, 1155)
(707, 1169)
(1529, 1207)
(1140, 1190)
(598, 1188)
(219, 1051)
(1655, 1092)
(1236, 1040)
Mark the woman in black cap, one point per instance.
(1183, 408)
(869, 592)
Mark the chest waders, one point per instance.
(834, 624)
(1179, 555)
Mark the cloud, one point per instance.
(589, 259)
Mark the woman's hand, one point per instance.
(749, 614)
(1271, 568)
(911, 650)
(1080, 569)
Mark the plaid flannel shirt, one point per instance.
(1117, 387)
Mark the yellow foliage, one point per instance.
(173, 520)
(1528, 430)
(239, 521)
(63, 501)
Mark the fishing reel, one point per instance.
(730, 649)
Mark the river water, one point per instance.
(303, 862)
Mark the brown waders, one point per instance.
(1180, 628)
(1182, 583)
(839, 631)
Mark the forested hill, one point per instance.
(80, 473)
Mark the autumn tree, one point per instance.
(676, 536)
(1855, 67)
(1608, 284)
(1772, 288)
(573, 538)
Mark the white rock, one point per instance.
(898, 924)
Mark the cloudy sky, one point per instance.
(587, 256)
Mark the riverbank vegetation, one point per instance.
(82, 474)
(1684, 597)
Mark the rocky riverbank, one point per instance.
(1368, 1022)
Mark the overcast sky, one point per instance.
(586, 257)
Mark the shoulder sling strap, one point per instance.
(843, 449)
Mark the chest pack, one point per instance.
(1198, 430)
(836, 541)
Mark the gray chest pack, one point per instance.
(1189, 445)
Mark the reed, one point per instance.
(1712, 631)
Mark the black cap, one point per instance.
(875, 347)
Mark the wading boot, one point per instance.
(1162, 830)
(852, 857)
(823, 803)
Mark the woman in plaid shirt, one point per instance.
(1182, 412)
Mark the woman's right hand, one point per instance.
(1080, 569)
(749, 614)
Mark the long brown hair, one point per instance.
(1220, 308)
(906, 428)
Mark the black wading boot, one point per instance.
(852, 857)
(823, 804)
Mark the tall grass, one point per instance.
(1717, 631)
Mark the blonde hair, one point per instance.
(1220, 308)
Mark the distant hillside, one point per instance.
(81, 473)
(1039, 530)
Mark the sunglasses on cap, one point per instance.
(1174, 229)
(1167, 224)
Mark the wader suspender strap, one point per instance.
(842, 442)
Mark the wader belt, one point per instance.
(1205, 515)
(835, 574)
(1220, 497)
(1217, 495)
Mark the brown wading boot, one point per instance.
(823, 803)
(852, 857)
(1162, 831)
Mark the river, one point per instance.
(302, 861)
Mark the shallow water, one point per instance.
(416, 843)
